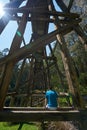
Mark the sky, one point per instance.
(8, 33)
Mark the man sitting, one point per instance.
(51, 99)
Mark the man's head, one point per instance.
(50, 87)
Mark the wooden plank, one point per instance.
(35, 108)
(25, 116)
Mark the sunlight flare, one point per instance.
(1, 10)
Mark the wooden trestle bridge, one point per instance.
(40, 14)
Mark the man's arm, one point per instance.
(45, 102)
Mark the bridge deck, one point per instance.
(27, 114)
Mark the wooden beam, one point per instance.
(34, 46)
(78, 29)
(9, 67)
(35, 109)
(70, 5)
(37, 11)
(61, 94)
(50, 20)
(62, 5)
(43, 115)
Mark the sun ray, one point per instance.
(1, 10)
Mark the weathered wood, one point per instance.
(44, 115)
(69, 68)
(70, 73)
(34, 46)
(39, 31)
(61, 94)
(70, 5)
(50, 20)
(62, 5)
(78, 29)
(9, 67)
(35, 109)
(33, 10)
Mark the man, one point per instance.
(51, 99)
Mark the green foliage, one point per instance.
(83, 79)
(65, 101)
(8, 126)
(83, 83)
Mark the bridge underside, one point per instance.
(41, 114)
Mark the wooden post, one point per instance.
(70, 73)
(68, 65)
(9, 67)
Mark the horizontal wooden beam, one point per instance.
(49, 20)
(38, 11)
(35, 108)
(61, 94)
(42, 115)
